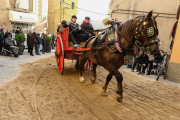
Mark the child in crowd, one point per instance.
(143, 62)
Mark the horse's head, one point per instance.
(147, 32)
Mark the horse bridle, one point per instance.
(150, 32)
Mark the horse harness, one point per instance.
(111, 38)
(150, 33)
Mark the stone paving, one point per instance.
(9, 65)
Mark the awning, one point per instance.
(23, 17)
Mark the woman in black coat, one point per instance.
(28, 38)
(32, 41)
(8, 32)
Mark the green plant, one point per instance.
(20, 38)
(48, 40)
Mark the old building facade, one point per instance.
(60, 10)
(166, 9)
(26, 14)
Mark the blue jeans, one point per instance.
(43, 47)
(38, 49)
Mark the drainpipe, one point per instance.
(132, 9)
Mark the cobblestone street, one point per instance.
(9, 65)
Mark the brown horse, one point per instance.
(112, 61)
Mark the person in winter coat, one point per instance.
(21, 31)
(10, 42)
(53, 40)
(61, 26)
(28, 38)
(38, 44)
(7, 33)
(1, 37)
(74, 31)
(43, 43)
(17, 30)
(143, 62)
(151, 60)
(86, 25)
(32, 41)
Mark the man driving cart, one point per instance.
(74, 31)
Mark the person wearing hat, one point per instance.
(10, 42)
(39, 42)
(1, 38)
(74, 31)
(87, 26)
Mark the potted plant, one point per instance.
(48, 44)
(20, 38)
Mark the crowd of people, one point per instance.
(34, 40)
(75, 30)
(142, 60)
(7, 41)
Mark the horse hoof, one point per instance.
(93, 79)
(81, 79)
(104, 93)
(119, 97)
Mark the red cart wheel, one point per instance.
(59, 54)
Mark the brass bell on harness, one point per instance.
(144, 23)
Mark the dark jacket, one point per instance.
(1, 35)
(6, 34)
(43, 42)
(9, 42)
(32, 41)
(143, 60)
(53, 38)
(28, 37)
(157, 56)
(38, 38)
(17, 32)
(87, 26)
(73, 28)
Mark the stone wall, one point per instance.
(173, 72)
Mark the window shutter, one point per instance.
(24, 4)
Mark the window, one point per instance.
(73, 5)
(23, 4)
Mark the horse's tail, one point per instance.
(77, 64)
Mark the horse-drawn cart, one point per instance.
(64, 50)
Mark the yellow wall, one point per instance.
(175, 56)
(54, 13)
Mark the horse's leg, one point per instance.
(119, 92)
(93, 79)
(104, 88)
(82, 61)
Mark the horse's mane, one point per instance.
(126, 26)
